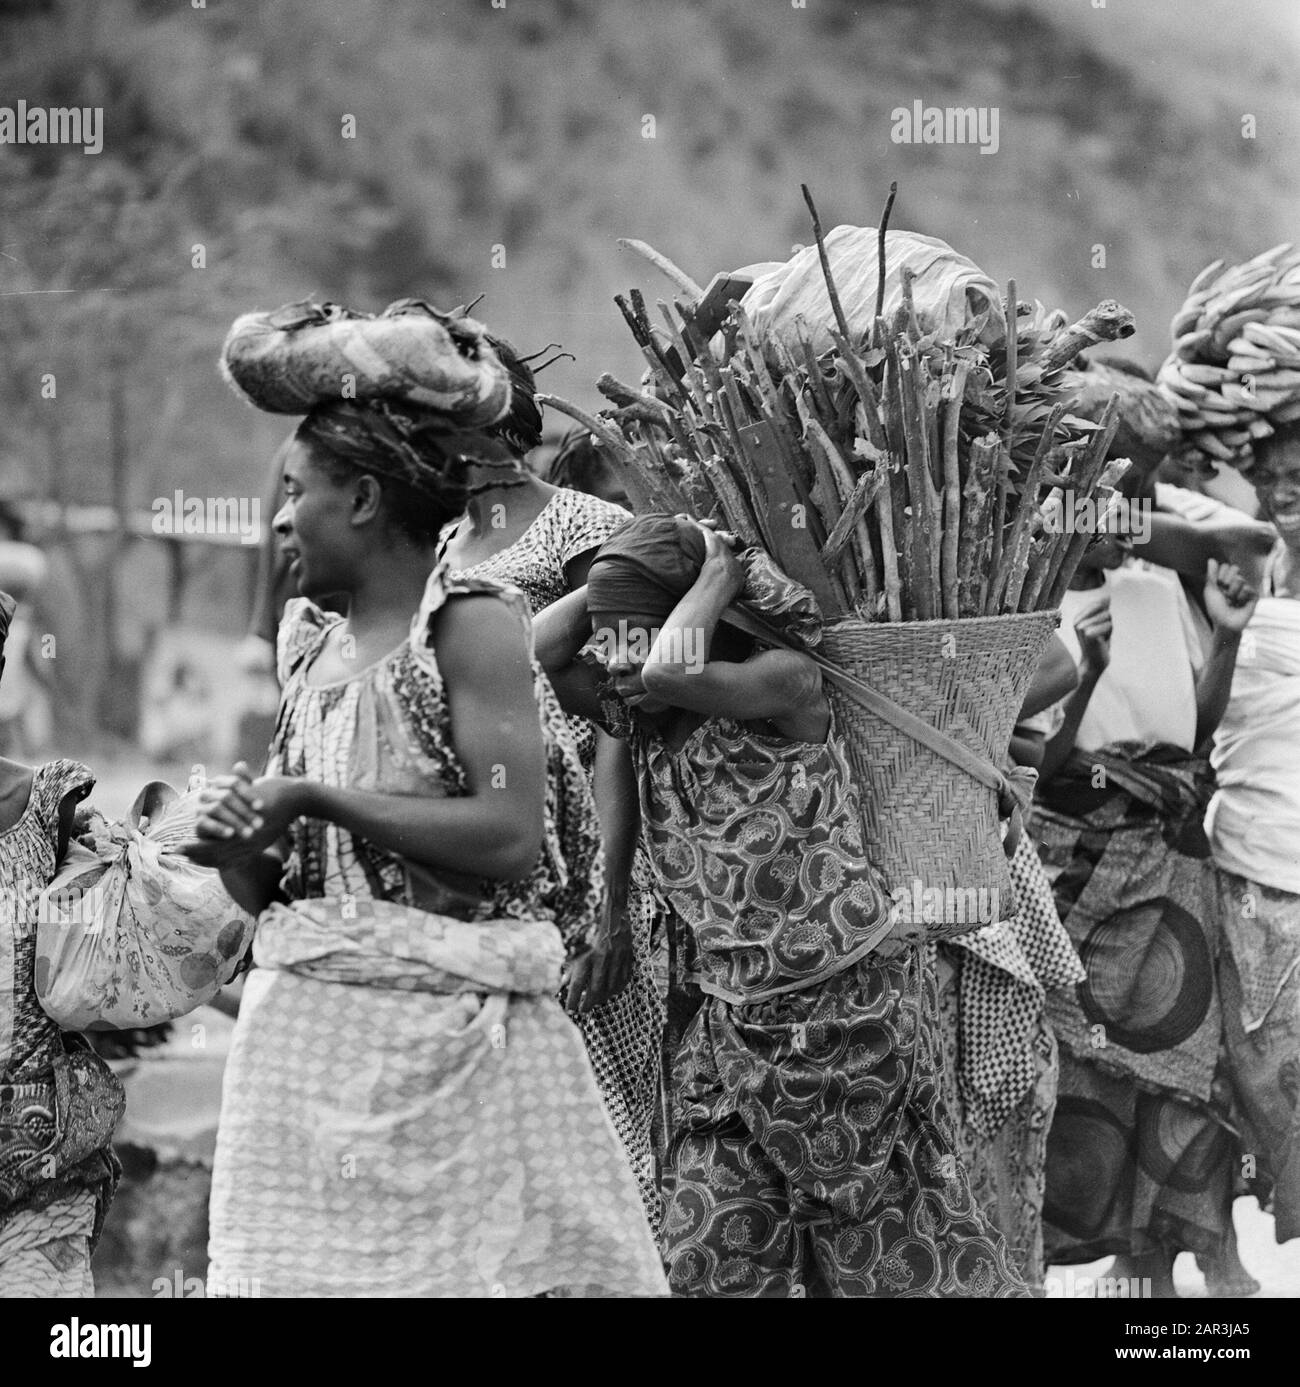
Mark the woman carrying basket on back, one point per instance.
(811, 1152)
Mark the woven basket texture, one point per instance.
(927, 820)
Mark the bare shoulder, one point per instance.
(16, 785)
(479, 636)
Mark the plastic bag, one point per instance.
(131, 933)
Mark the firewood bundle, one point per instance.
(900, 475)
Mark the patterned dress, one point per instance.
(376, 1141)
(624, 1036)
(1140, 1153)
(811, 1154)
(48, 1225)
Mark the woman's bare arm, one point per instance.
(493, 831)
(1056, 676)
(559, 632)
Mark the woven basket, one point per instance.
(932, 827)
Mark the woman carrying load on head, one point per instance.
(542, 538)
(811, 1152)
(1138, 1157)
(1254, 831)
(1243, 328)
(405, 1101)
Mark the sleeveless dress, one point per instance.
(48, 1226)
(375, 1141)
(1254, 831)
(624, 1037)
(812, 1153)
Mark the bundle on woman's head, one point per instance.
(7, 608)
(1234, 372)
(412, 394)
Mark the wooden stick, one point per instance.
(913, 327)
(1010, 579)
(657, 476)
(767, 388)
(645, 341)
(840, 319)
(816, 381)
(1108, 322)
(884, 506)
(974, 542)
(1094, 462)
(732, 504)
(827, 474)
(662, 263)
(1036, 569)
(1000, 504)
(955, 386)
(673, 363)
(613, 389)
(1013, 354)
(603, 430)
(867, 395)
(999, 521)
(838, 482)
(721, 404)
(863, 494)
(903, 516)
(876, 337)
(930, 394)
(920, 488)
(642, 414)
(703, 499)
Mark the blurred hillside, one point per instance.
(481, 129)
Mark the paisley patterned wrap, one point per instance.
(812, 1153)
(757, 846)
(59, 1102)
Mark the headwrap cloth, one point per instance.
(7, 608)
(652, 561)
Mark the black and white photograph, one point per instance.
(650, 651)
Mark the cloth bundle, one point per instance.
(951, 294)
(131, 933)
(307, 354)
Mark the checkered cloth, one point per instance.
(1006, 973)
